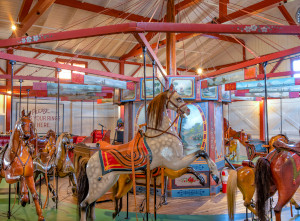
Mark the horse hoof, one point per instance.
(297, 208)
(41, 218)
(23, 203)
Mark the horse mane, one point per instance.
(156, 109)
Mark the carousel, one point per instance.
(149, 110)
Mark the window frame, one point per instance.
(72, 62)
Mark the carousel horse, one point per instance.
(278, 171)
(54, 156)
(16, 163)
(125, 183)
(159, 146)
(243, 178)
(233, 149)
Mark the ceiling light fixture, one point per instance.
(13, 27)
(199, 70)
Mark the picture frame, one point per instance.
(226, 95)
(128, 95)
(158, 88)
(210, 93)
(185, 86)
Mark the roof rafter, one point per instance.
(34, 14)
(287, 16)
(250, 10)
(102, 10)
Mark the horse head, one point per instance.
(25, 126)
(176, 103)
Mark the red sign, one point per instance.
(230, 87)
(250, 73)
(204, 84)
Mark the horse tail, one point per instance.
(82, 181)
(231, 193)
(263, 178)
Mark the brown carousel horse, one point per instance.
(125, 183)
(54, 158)
(244, 179)
(279, 170)
(16, 162)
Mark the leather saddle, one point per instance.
(248, 163)
(279, 145)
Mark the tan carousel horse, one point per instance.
(125, 183)
(16, 162)
(243, 178)
(54, 159)
(159, 146)
(233, 149)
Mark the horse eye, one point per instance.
(179, 99)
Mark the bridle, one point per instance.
(178, 110)
(16, 153)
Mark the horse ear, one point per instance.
(28, 115)
(171, 89)
(23, 113)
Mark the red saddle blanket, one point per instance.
(119, 157)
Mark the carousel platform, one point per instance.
(212, 208)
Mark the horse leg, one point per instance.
(293, 202)
(92, 208)
(196, 174)
(52, 191)
(98, 186)
(283, 198)
(24, 192)
(116, 200)
(72, 178)
(31, 185)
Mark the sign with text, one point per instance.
(43, 115)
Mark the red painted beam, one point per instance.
(122, 68)
(28, 77)
(23, 66)
(276, 65)
(102, 10)
(287, 16)
(35, 61)
(25, 7)
(73, 56)
(223, 8)
(255, 61)
(278, 74)
(141, 27)
(34, 14)
(185, 4)
(105, 67)
(252, 9)
(143, 41)
(134, 73)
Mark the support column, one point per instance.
(171, 40)
(8, 98)
(262, 120)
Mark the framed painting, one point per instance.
(226, 95)
(185, 86)
(128, 95)
(158, 88)
(210, 93)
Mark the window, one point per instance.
(67, 74)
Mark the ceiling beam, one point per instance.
(35, 13)
(287, 16)
(141, 27)
(51, 64)
(102, 10)
(74, 56)
(25, 7)
(253, 9)
(185, 4)
(255, 61)
(24, 65)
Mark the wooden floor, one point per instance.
(210, 205)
